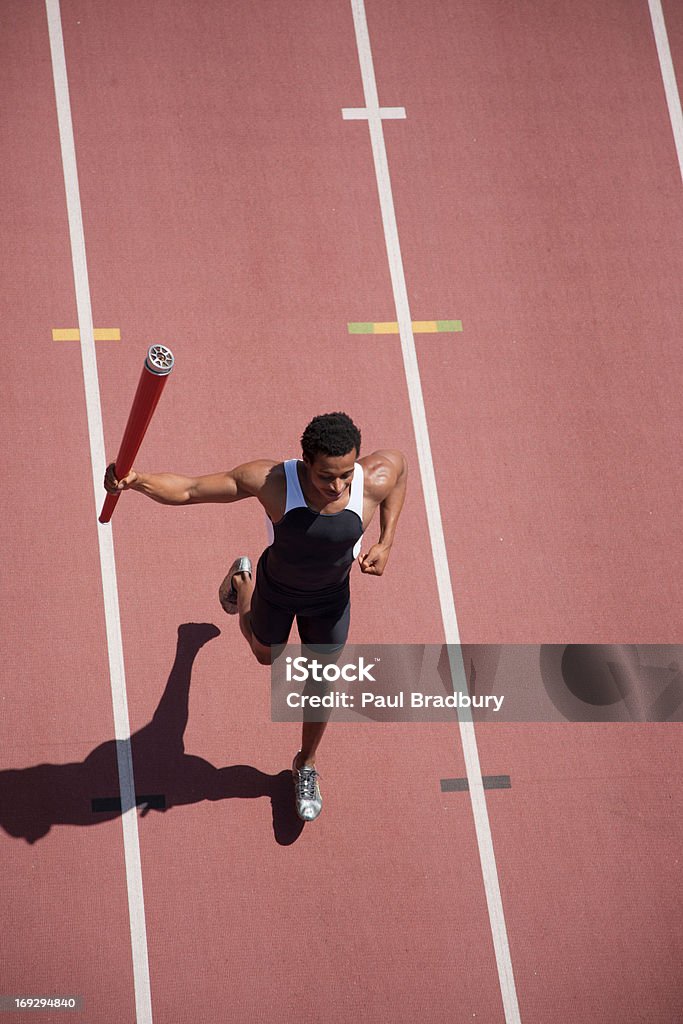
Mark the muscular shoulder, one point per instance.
(381, 472)
(258, 477)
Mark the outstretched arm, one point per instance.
(244, 481)
(389, 477)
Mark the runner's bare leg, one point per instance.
(244, 585)
(311, 732)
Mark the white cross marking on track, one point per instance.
(364, 113)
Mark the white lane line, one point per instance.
(443, 576)
(673, 99)
(136, 908)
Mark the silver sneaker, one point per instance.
(226, 592)
(309, 801)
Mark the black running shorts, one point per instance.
(271, 624)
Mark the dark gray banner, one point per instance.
(481, 682)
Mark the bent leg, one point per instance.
(244, 586)
(263, 624)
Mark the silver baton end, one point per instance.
(159, 360)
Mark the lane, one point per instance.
(64, 904)
(225, 204)
(563, 382)
(536, 192)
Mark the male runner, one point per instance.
(316, 512)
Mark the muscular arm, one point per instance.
(244, 481)
(387, 479)
(390, 507)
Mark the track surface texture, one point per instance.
(232, 213)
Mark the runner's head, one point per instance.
(331, 445)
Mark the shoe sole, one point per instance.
(226, 592)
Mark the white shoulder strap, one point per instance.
(357, 490)
(295, 496)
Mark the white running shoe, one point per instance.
(309, 801)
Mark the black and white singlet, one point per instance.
(306, 567)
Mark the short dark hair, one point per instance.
(333, 434)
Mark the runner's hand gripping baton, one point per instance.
(158, 365)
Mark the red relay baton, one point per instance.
(158, 365)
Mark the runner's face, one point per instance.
(331, 475)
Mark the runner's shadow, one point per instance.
(32, 800)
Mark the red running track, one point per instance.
(231, 213)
